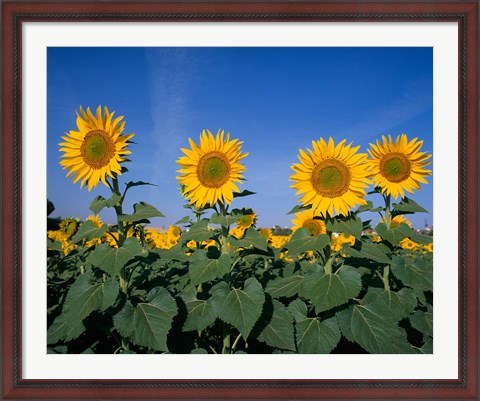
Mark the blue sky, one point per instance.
(276, 100)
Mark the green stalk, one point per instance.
(234, 346)
(226, 339)
(388, 213)
(386, 272)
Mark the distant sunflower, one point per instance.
(96, 149)
(246, 221)
(398, 166)
(397, 220)
(331, 177)
(209, 172)
(308, 220)
(68, 227)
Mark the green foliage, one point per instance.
(211, 292)
(301, 242)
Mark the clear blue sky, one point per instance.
(276, 100)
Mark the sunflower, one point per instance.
(68, 227)
(246, 221)
(398, 166)
(331, 177)
(209, 172)
(397, 220)
(308, 220)
(237, 232)
(96, 149)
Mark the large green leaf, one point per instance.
(251, 238)
(82, 299)
(301, 241)
(375, 251)
(423, 322)
(201, 313)
(394, 235)
(242, 307)
(203, 269)
(142, 212)
(400, 303)
(285, 286)
(313, 335)
(100, 202)
(408, 206)
(371, 325)
(413, 272)
(199, 231)
(368, 207)
(329, 290)
(111, 260)
(349, 225)
(88, 231)
(279, 332)
(153, 320)
(224, 220)
(123, 320)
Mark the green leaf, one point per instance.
(349, 225)
(421, 238)
(88, 231)
(131, 184)
(301, 241)
(243, 193)
(416, 273)
(198, 231)
(112, 260)
(142, 212)
(242, 308)
(400, 303)
(100, 202)
(153, 320)
(329, 290)
(408, 206)
(201, 313)
(123, 320)
(285, 286)
(251, 238)
(368, 207)
(299, 208)
(313, 335)
(423, 322)
(400, 345)
(279, 330)
(183, 220)
(394, 235)
(199, 351)
(371, 325)
(83, 298)
(55, 245)
(224, 220)
(374, 251)
(203, 269)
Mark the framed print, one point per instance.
(264, 200)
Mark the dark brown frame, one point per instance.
(14, 13)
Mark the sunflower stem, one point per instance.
(235, 343)
(226, 339)
(386, 272)
(388, 213)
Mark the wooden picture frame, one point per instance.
(14, 14)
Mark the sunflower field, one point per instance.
(215, 282)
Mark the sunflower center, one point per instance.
(213, 170)
(330, 178)
(97, 149)
(314, 227)
(245, 220)
(395, 167)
